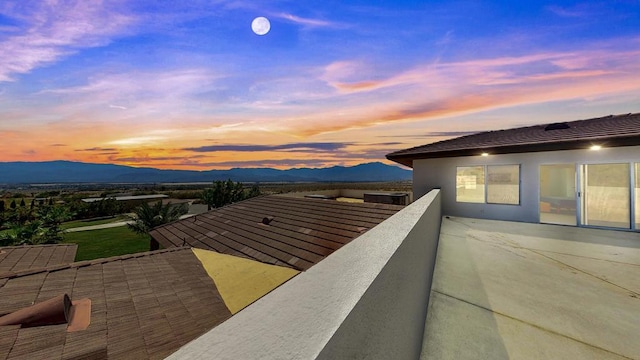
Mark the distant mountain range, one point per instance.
(78, 172)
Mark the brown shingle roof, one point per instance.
(144, 306)
(618, 130)
(19, 258)
(303, 231)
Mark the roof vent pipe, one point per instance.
(267, 220)
(51, 312)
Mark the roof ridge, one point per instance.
(37, 245)
(78, 264)
(194, 217)
(340, 203)
(517, 127)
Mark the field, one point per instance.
(81, 223)
(102, 243)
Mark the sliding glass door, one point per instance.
(558, 194)
(605, 195)
(637, 195)
(601, 195)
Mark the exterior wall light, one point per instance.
(485, 154)
(595, 147)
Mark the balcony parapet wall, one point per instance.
(367, 300)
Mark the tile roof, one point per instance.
(301, 233)
(19, 258)
(143, 306)
(612, 130)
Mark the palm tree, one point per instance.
(147, 217)
(30, 233)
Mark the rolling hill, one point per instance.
(78, 172)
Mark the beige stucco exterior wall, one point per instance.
(441, 173)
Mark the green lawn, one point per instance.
(95, 244)
(81, 223)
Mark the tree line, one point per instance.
(40, 222)
(227, 192)
(31, 225)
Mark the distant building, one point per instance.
(128, 198)
(584, 173)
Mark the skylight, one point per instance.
(556, 126)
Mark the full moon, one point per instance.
(260, 25)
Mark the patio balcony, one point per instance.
(420, 285)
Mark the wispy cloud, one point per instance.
(446, 39)
(432, 134)
(51, 30)
(454, 88)
(391, 143)
(137, 141)
(281, 147)
(150, 159)
(137, 98)
(167, 82)
(268, 163)
(97, 149)
(583, 9)
(306, 21)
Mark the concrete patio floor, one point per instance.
(506, 290)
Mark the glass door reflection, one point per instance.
(605, 200)
(558, 194)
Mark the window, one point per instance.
(470, 184)
(502, 184)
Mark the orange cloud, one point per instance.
(449, 89)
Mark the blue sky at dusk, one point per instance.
(188, 85)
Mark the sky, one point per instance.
(189, 85)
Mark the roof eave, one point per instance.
(407, 159)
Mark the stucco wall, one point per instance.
(350, 193)
(441, 173)
(367, 300)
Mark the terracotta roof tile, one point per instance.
(301, 233)
(618, 130)
(23, 258)
(143, 306)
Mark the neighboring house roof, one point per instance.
(19, 258)
(167, 201)
(610, 131)
(143, 306)
(299, 232)
(127, 198)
